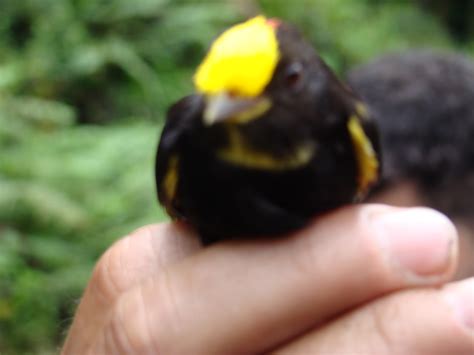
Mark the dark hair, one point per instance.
(424, 105)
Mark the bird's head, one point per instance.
(264, 68)
(253, 65)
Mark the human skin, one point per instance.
(407, 194)
(363, 278)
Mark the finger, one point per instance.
(249, 296)
(138, 256)
(124, 265)
(466, 252)
(409, 322)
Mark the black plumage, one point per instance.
(223, 199)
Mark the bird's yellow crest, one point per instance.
(241, 60)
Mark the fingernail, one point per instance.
(421, 241)
(460, 297)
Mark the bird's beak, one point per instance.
(221, 107)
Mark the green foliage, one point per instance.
(65, 195)
(351, 32)
(84, 85)
(109, 59)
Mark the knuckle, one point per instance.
(129, 328)
(168, 311)
(144, 320)
(107, 277)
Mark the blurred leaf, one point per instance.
(38, 112)
(37, 205)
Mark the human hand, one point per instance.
(416, 321)
(158, 291)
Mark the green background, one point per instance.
(84, 85)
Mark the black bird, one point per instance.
(270, 139)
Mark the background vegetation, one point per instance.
(84, 85)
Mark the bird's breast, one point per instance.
(240, 150)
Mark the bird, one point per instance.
(269, 140)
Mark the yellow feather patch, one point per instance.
(366, 158)
(170, 181)
(252, 113)
(241, 60)
(238, 152)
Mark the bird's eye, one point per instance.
(293, 75)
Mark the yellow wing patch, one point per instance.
(367, 162)
(170, 181)
(241, 60)
(238, 152)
